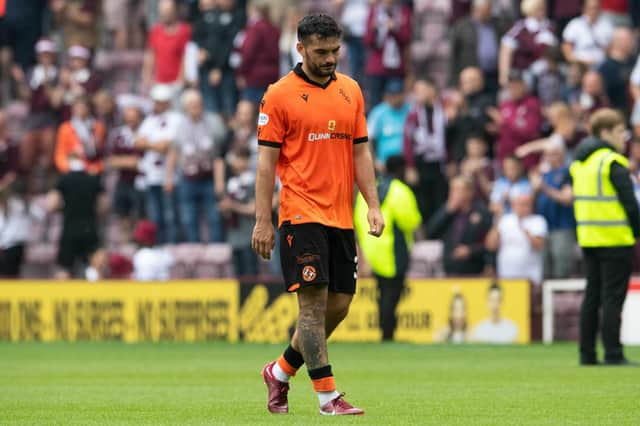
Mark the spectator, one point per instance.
(77, 79)
(40, 89)
(590, 98)
(512, 182)
(105, 266)
(354, 24)
(196, 156)
(239, 208)
(564, 131)
(587, 37)
(519, 238)
(475, 43)
(550, 86)
(523, 46)
(79, 195)
(460, 126)
(15, 227)
(476, 166)
(616, 69)
(462, 224)
(389, 255)
(478, 98)
(242, 131)
(78, 20)
(635, 94)
(157, 134)
(22, 26)
(430, 44)
(517, 121)
(166, 44)
(621, 13)
(122, 19)
(424, 148)
(388, 34)
(386, 123)
(259, 54)
(128, 199)
(554, 203)
(562, 12)
(572, 81)
(150, 263)
(9, 157)
(82, 136)
(214, 33)
(289, 55)
(104, 108)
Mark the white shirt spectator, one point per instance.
(635, 74)
(152, 264)
(354, 17)
(516, 256)
(15, 223)
(589, 42)
(157, 128)
(503, 331)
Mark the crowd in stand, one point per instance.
(136, 119)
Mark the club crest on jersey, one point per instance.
(332, 125)
(263, 119)
(309, 273)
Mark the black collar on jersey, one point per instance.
(300, 73)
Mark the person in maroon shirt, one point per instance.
(387, 36)
(524, 45)
(517, 121)
(123, 157)
(77, 79)
(40, 88)
(259, 54)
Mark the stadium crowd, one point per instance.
(128, 127)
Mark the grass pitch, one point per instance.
(219, 383)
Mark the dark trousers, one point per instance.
(432, 189)
(390, 290)
(608, 272)
(11, 261)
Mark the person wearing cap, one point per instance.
(81, 136)
(150, 262)
(123, 157)
(157, 134)
(40, 88)
(517, 121)
(77, 79)
(386, 123)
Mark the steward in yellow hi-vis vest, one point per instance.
(388, 255)
(608, 223)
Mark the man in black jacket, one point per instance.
(214, 33)
(475, 42)
(608, 224)
(463, 225)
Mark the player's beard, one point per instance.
(320, 70)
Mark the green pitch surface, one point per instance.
(217, 383)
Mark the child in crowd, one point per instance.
(512, 182)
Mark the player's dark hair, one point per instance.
(318, 24)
